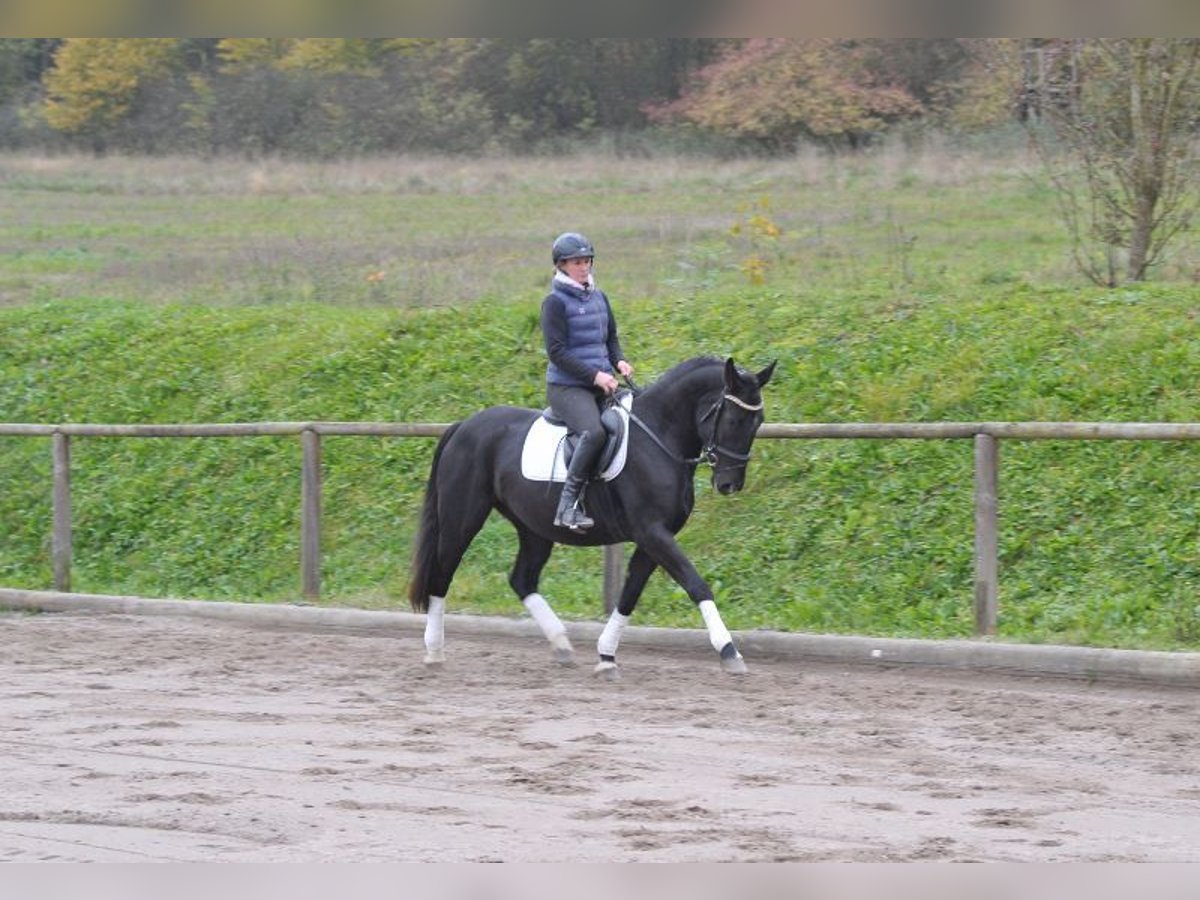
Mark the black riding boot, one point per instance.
(570, 512)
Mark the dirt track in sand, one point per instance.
(133, 738)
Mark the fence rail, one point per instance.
(1028, 431)
(986, 437)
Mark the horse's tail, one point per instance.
(425, 547)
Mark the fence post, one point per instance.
(986, 533)
(614, 562)
(310, 515)
(60, 542)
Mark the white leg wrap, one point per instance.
(718, 634)
(435, 624)
(550, 623)
(610, 637)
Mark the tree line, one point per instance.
(329, 97)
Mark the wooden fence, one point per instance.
(986, 437)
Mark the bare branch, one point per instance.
(1122, 110)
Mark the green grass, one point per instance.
(900, 289)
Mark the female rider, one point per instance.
(580, 334)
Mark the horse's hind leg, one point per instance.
(435, 631)
(527, 570)
(453, 542)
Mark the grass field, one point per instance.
(434, 232)
(931, 285)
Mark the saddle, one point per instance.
(548, 447)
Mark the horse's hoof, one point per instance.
(735, 665)
(435, 657)
(564, 656)
(607, 671)
(564, 653)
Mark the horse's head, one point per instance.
(734, 419)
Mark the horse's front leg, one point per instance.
(641, 567)
(666, 552)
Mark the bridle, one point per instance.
(712, 451)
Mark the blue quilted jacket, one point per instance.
(580, 333)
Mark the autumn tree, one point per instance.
(778, 90)
(340, 56)
(1123, 112)
(240, 54)
(96, 82)
(989, 87)
(325, 55)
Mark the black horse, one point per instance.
(704, 410)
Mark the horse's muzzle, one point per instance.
(728, 486)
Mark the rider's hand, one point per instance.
(606, 382)
(625, 368)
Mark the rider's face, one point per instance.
(578, 269)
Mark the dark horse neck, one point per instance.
(672, 405)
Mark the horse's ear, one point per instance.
(765, 375)
(731, 375)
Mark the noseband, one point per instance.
(711, 452)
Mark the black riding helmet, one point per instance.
(572, 245)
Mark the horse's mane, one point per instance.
(684, 369)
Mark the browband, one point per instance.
(753, 407)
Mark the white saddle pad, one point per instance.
(542, 455)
